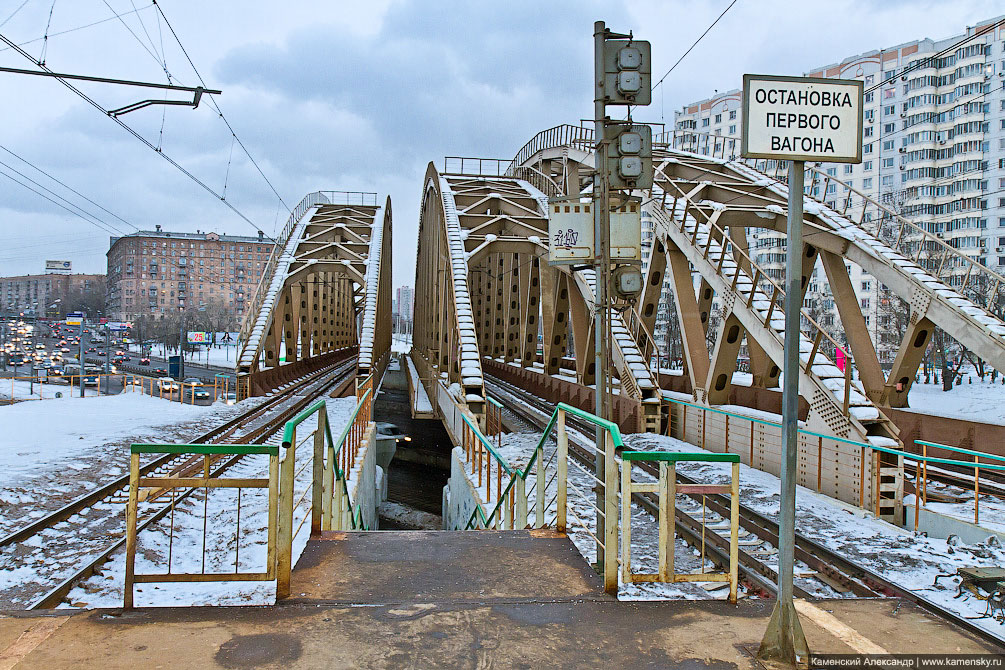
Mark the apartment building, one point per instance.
(43, 295)
(404, 303)
(152, 273)
(933, 150)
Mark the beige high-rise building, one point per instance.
(151, 273)
(933, 149)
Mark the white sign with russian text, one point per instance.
(802, 118)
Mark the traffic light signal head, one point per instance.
(629, 156)
(627, 72)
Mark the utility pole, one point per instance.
(623, 153)
(601, 232)
(80, 357)
(181, 347)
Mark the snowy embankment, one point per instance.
(908, 559)
(23, 389)
(63, 437)
(221, 355)
(971, 400)
(224, 544)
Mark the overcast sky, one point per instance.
(354, 96)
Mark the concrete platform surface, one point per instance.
(443, 566)
(457, 600)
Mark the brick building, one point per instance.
(152, 273)
(36, 294)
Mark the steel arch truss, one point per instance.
(326, 296)
(485, 294)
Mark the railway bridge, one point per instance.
(325, 294)
(489, 306)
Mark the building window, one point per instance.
(718, 118)
(867, 286)
(865, 303)
(888, 162)
(732, 131)
(867, 149)
(704, 123)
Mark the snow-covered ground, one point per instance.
(53, 452)
(909, 559)
(22, 389)
(401, 344)
(40, 437)
(184, 546)
(972, 400)
(977, 401)
(221, 355)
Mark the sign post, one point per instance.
(796, 119)
(77, 319)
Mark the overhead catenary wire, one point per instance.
(215, 105)
(135, 134)
(694, 44)
(14, 13)
(67, 187)
(73, 30)
(58, 204)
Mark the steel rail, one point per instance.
(825, 560)
(217, 434)
(56, 595)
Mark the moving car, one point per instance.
(167, 385)
(228, 398)
(143, 361)
(160, 371)
(192, 381)
(200, 393)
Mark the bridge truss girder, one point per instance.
(328, 297)
(484, 290)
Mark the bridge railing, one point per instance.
(474, 166)
(666, 489)
(334, 465)
(967, 275)
(580, 137)
(973, 468)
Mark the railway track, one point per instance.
(84, 534)
(758, 533)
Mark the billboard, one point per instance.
(198, 337)
(64, 267)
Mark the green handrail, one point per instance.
(933, 459)
(485, 442)
(609, 426)
(801, 431)
(676, 457)
(885, 450)
(235, 449)
(355, 518)
(961, 450)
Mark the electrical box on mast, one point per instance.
(627, 72)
